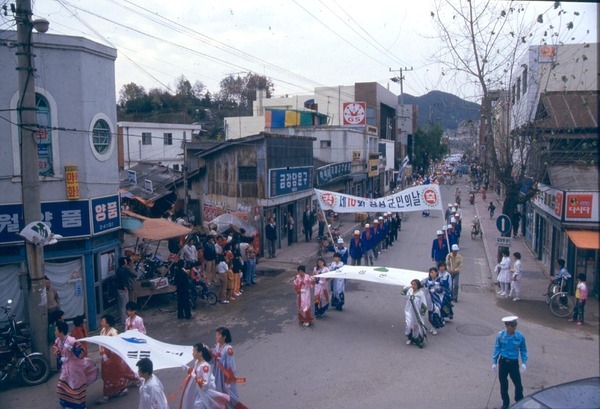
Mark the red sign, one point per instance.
(355, 113)
(430, 196)
(72, 180)
(579, 205)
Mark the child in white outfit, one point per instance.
(515, 288)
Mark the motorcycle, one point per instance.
(472, 198)
(32, 368)
(476, 229)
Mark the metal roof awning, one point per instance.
(156, 229)
(585, 239)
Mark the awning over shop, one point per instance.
(156, 229)
(585, 239)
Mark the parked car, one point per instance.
(579, 394)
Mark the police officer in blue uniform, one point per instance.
(509, 344)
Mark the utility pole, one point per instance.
(30, 179)
(185, 177)
(400, 79)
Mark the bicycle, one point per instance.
(561, 304)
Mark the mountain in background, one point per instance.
(447, 109)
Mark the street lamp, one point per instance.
(30, 180)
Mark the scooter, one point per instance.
(31, 368)
(472, 198)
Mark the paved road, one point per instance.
(357, 358)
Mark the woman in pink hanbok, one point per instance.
(199, 392)
(76, 371)
(321, 288)
(302, 284)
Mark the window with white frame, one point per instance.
(146, 138)
(43, 136)
(168, 138)
(101, 136)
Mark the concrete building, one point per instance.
(76, 122)
(153, 143)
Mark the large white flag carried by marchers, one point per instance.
(417, 198)
(381, 275)
(132, 346)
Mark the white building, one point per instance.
(153, 142)
(79, 179)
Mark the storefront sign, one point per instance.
(550, 201)
(68, 218)
(581, 206)
(503, 241)
(106, 214)
(72, 180)
(284, 181)
(326, 174)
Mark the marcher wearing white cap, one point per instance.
(509, 344)
(356, 251)
(439, 247)
(454, 264)
(342, 250)
(367, 240)
(378, 236)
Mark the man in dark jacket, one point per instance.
(308, 219)
(182, 281)
(271, 236)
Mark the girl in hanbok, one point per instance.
(152, 391)
(415, 329)
(446, 281)
(199, 392)
(338, 285)
(224, 368)
(504, 275)
(133, 321)
(72, 382)
(321, 288)
(435, 303)
(115, 372)
(302, 284)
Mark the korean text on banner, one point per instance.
(417, 198)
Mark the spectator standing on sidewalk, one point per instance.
(581, 295)
(515, 220)
(308, 219)
(504, 276)
(321, 223)
(515, 284)
(210, 257)
(291, 224)
(271, 235)
(124, 276)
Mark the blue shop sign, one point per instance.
(106, 214)
(327, 173)
(69, 219)
(284, 181)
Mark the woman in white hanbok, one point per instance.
(338, 285)
(199, 391)
(321, 288)
(504, 276)
(415, 329)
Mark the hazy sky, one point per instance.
(299, 44)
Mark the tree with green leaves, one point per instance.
(428, 146)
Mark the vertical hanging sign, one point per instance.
(72, 182)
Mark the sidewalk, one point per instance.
(535, 273)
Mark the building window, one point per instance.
(146, 138)
(518, 88)
(325, 144)
(524, 79)
(101, 136)
(44, 136)
(168, 138)
(247, 174)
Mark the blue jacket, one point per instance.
(439, 253)
(356, 248)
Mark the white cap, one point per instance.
(510, 318)
(376, 221)
(444, 227)
(455, 247)
(380, 217)
(439, 232)
(356, 232)
(453, 210)
(449, 204)
(367, 225)
(456, 214)
(455, 205)
(340, 241)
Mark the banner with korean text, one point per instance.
(413, 199)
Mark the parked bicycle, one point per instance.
(559, 301)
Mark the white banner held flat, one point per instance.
(413, 199)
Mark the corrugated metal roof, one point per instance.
(572, 177)
(163, 180)
(568, 110)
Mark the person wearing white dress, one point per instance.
(504, 276)
(199, 391)
(152, 394)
